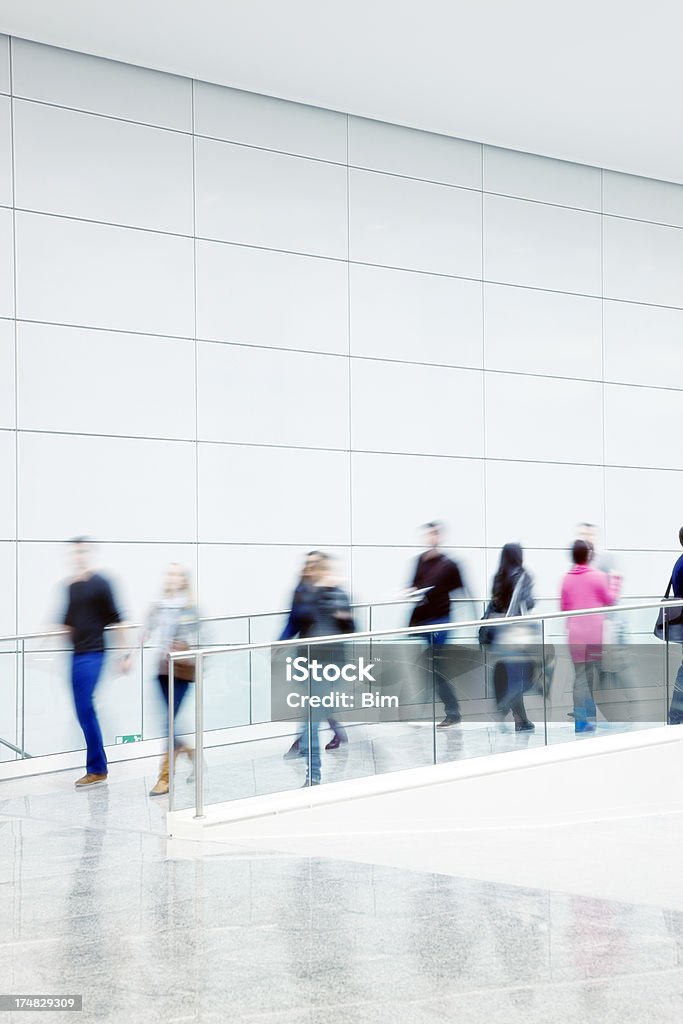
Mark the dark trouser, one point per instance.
(676, 709)
(85, 672)
(444, 687)
(510, 679)
(179, 691)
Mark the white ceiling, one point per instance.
(595, 81)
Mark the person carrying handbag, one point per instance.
(175, 623)
(511, 595)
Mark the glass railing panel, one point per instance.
(480, 706)
(521, 688)
(674, 681)
(227, 691)
(227, 682)
(606, 674)
(389, 724)
(50, 725)
(256, 764)
(154, 717)
(10, 701)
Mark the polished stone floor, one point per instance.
(95, 900)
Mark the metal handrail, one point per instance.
(16, 750)
(227, 618)
(438, 627)
(254, 615)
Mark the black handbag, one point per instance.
(669, 625)
(487, 634)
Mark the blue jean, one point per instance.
(676, 709)
(511, 680)
(312, 727)
(444, 687)
(85, 673)
(179, 691)
(585, 675)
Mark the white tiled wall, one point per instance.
(540, 246)
(243, 391)
(94, 275)
(135, 175)
(414, 225)
(526, 176)
(271, 200)
(267, 123)
(413, 154)
(276, 299)
(247, 327)
(5, 151)
(7, 277)
(643, 262)
(7, 401)
(395, 311)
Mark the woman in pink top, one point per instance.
(586, 587)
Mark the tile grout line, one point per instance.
(195, 340)
(19, 665)
(485, 460)
(602, 359)
(350, 359)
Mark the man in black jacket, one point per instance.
(89, 610)
(436, 576)
(675, 633)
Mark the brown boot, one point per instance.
(161, 785)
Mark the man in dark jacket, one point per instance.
(436, 576)
(676, 709)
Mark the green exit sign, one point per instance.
(133, 738)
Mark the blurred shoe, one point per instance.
(89, 780)
(584, 726)
(336, 742)
(189, 753)
(449, 721)
(160, 787)
(525, 726)
(310, 782)
(293, 752)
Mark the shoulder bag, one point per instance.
(669, 625)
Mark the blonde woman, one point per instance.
(174, 623)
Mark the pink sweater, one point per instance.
(586, 587)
